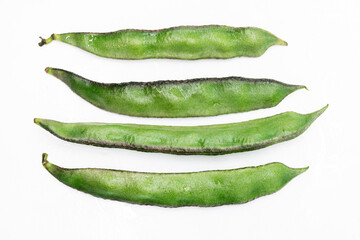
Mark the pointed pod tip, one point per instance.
(282, 42)
(302, 87)
(301, 170)
(314, 115)
(298, 171)
(317, 113)
(323, 109)
(297, 87)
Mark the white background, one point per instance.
(323, 54)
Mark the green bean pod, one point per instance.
(187, 98)
(205, 189)
(184, 42)
(206, 139)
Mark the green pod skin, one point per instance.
(188, 98)
(184, 42)
(205, 189)
(206, 139)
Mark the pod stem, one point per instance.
(46, 41)
(36, 121)
(44, 158)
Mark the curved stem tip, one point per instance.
(46, 41)
(42, 42)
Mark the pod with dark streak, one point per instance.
(206, 139)
(188, 98)
(184, 42)
(205, 189)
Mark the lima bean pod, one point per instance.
(188, 98)
(207, 188)
(206, 139)
(183, 42)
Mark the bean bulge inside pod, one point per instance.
(187, 98)
(206, 189)
(183, 42)
(206, 139)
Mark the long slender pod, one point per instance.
(206, 139)
(206, 189)
(187, 98)
(183, 42)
